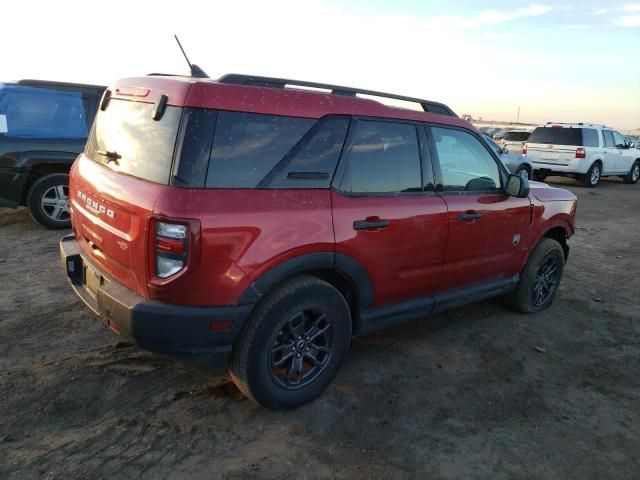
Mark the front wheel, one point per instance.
(634, 173)
(540, 279)
(293, 345)
(48, 201)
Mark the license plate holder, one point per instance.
(92, 280)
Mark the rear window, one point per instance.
(557, 136)
(126, 138)
(29, 112)
(517, 136)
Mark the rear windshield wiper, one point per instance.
(111, 156)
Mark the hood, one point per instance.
(546, 193)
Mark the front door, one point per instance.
(383, 216)
(487, 228)
(625, 154)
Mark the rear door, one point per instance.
(487, 228)
(383, 216)
(116, 182)
(611, 153)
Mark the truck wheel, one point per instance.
(47, 201)
(593, 175)
(540, 278)
(292, 345)
(634, 173)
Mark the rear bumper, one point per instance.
(12, 185)
(572, 166)
(174, 330)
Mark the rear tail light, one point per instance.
(524, 149)
(171, 248)
(580, 153)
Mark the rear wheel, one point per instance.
(540, 279)
(293, 344)
(47, 201)
(634, 173)
(593, 175)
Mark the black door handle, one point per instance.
(463, 217)
(370, 224)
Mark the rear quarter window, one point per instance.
(248, 146)
(30, 112)
(590, 137)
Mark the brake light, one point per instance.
(580, 153)
(170, 248)
(524, 149)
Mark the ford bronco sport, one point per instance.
(43, 127)
(245, 221)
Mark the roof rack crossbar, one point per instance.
(239, 79)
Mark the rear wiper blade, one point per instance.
(111, 156)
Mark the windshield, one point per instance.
(29, 112)
(127, 139)
(557, 136)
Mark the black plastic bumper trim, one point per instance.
(155, 326)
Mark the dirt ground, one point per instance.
(479, 392)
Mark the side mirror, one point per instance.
(517, 186)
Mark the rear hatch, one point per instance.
(513, 142)
(117, 181)
(554, 145)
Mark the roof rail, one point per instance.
(254, 80)
(582, 124)
(51, 83)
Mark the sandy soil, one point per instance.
(479, 392)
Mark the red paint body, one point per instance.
(237, 235)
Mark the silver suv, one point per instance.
(584, 151)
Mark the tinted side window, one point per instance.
(247, 146)
(618, 139)
(194, 147)
(465, 163)
(312, 162)
(383, 158)
(42, 113)
(590, 137)
(608, 138)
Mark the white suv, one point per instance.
(582, 150)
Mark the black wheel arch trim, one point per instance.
(346, 266)
(34, 158)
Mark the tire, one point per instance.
(539, 177)
(593, 175)
(525, 298)
(273, 344)
(47, 201)
(523, 172)
(634, 173)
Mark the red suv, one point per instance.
(248, 222)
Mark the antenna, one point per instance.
(196, 71)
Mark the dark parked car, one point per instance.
(43, 127)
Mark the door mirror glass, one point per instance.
(517, 186)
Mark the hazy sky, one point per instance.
(562, 61)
